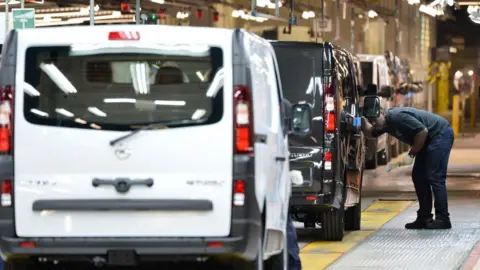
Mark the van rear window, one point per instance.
(122, 91)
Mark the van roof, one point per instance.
(151, 33)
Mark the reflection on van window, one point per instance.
(296, 81)
(120, 91)
(367, 72)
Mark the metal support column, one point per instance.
(92, 12)
(456, 114)
(397, 29)
(473, 108)
(22, 3)
(322, 6)
(443, 86)
(138, 8)
(6, 18)
(352, 30)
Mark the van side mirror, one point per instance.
(371, 107)
(301, 119)
(386, 91)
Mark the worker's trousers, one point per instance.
(430, 174)
(292, 246)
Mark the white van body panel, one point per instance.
(381, 78)
(272, 183)
(59, 163)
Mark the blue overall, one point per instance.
(430, 174)
(430, 169)
(294, 262)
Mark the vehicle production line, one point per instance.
(384, 243)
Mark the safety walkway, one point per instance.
(383, 243)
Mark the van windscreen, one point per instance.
(122, 91)
(367, 72)
(298, 68)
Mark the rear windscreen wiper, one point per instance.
(156, 125)
(135, 132)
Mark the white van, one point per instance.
(375, 71)
(117, 148)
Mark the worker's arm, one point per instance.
(417, 129)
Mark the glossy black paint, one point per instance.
(335, 66)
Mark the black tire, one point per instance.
(394, 150)
(353, 217)
(18, 265)
(333, 225)
(382, 157)
(371, 164)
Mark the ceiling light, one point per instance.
(95, 126)
(170, 102)
(200, 76)
(119, 100)
(80, 121)
(158, 1)
(30, 90)
(96, 111)
(199, 113)
(372, 14)
(64, 112)
(38, 112)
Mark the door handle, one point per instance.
(281, 159)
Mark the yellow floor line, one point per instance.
(319, 255)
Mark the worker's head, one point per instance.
(170, 73)
(379, 122)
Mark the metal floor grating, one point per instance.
(393, 247)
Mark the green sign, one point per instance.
(23, 18)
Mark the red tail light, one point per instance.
(6, 119)
(243, 120)
(328, 156)
(329, 97)
(6, 195)
(239, 193)
(124, 35)
(327, 161)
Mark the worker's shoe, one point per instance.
(439, 224)
(419, 223)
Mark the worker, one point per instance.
(431, 139)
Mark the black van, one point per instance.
(329, 150)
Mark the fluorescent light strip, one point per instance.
(170, 102)
(30, 90)
(64, 112)
(199, 113)
(38, 112)
(95, 126)
(119, 100)
(200, 76)
(80, 121)
(58, 78)
(96, 111)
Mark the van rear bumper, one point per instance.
(244, 233)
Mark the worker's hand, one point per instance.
(296, 177)
(392, 165)
(407, 160)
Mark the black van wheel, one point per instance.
(382, 157)
(371, 164)
(394, 150)
(353, 217)
(18, 265)
(333, 225)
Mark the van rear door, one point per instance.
(173, 180)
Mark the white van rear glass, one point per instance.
(113, 91)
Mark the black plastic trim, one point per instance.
(123, 205)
